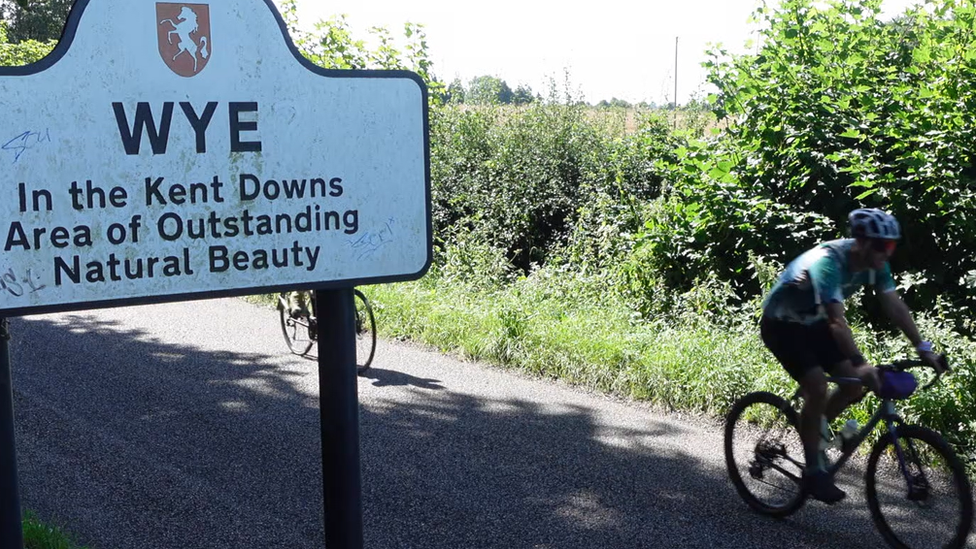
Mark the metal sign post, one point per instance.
(11, 533)
(339, 409)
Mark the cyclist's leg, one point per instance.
(845, 395)
(814, 387)
(819, 482)
(791, 344)
(838, 364)
(795, 347)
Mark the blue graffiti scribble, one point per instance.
(371, 241)
(25, 141)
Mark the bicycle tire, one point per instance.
(914, 441)
(365, 332)
(777, 453)
(297, 331)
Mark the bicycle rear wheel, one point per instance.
(298, 329)
(764, 454)
(365, 332)
(928, 502)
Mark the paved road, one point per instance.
(187, 426)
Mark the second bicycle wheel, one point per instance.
(365, 332)
(918, 491)
(764, 454)
(297, 328)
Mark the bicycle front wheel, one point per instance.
(764, 454)
(918, 491)
(365, 332)
(298, 328)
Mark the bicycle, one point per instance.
(908, 469)
(300, 327)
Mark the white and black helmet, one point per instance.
(874, 223)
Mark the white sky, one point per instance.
(611, 48)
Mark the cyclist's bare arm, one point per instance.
(841, 331)
(837, 320)
(899, 314)
(896, 311)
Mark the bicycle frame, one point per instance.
(886, 412)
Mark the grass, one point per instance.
(39, 535)
(592, 341)
(688, 362)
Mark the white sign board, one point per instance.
(169, 151)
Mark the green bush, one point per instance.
(22, 53)
(520, 173)
(839, 109)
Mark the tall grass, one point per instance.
(558, 325)
(571, 330)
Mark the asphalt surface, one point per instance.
(188, 425)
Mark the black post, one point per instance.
(11, 530)
(339, 407)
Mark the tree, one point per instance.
(23, 53)
(455, 92)
(523, 95)
(332, 46)
(489, 90)
(840, 109)
(40, 20)
(614, 102)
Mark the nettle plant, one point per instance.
(839, 108)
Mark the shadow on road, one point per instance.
(133, 441)
(391, 378)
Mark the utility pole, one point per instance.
(675, 82)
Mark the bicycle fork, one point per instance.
(918, 486)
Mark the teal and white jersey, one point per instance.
(818, 277)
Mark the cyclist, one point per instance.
(298, 305)
(804, 326)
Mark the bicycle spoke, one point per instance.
(769, 479)
(783, 471)
(790, 489)
(762, 448)
(918, 492)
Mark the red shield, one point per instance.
(184, 36)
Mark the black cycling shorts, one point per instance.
(801, 347)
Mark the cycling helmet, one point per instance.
(874, 223)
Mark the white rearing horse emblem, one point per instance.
(187, 25)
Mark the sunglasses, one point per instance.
(883, 245)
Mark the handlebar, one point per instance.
(898, 366)
(902, 365)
